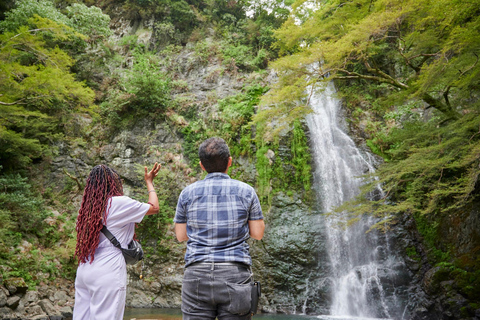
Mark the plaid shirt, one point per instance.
(216, 211)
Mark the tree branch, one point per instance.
(384, 78)
(23, 99)
(462, 73)
(388, 79)
(12, 103)
(378, 78)
(79, 185)
(28, 31)
(445, 109)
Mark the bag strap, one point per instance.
(111, 237)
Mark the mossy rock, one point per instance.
(434, 277)
(16, 285)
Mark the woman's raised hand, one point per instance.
(150, 175)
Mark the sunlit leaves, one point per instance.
(36, 83)
(427, 49)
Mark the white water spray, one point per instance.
(357, 289)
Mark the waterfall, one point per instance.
(359, 260)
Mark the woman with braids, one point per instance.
(100, 285)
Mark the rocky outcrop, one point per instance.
(438, 292)
(287, 260)
(45, 303)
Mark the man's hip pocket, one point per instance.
(240, 298)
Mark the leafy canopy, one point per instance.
(417, 49)
(36, 88)
(89, 21)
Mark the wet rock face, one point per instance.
(288, 261)
(433, 293)
(460, 232)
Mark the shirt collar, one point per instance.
(217, 175)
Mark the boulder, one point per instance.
(4, 290)
(35, 310)
(30, 296)
(6, 313)
(3, 298)
(67, 312)
(48, 307)
(13, 302)
(16, 285)
(60, 297)
(138, 298)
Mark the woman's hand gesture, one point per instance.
(150, 175)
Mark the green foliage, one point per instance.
(244, 57)
(301, 157)
(174, 17)
(89, 21)
(148, 85)
(467, 282)
(420, 51)
(142, 90)
(291, 171)
(26, 9)
(232, 124)
(432, 171)
(193, 135)
(428, 228)
(25, 228)
(265, 174)
(412, 253)
(36, 84)
(237, 112)
(24, 211)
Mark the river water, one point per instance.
(176, 314)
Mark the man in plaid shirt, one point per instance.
(217, 215)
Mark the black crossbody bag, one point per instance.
(132, 254)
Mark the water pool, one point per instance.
(176, 314)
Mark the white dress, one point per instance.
(100, 286)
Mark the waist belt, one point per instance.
(212, 265)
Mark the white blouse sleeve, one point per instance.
(125, 210)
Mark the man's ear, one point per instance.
(201, 166)
(229, 164)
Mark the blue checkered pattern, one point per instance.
(216, 211)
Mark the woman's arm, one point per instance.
(152, 195)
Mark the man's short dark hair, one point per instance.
(214, 154)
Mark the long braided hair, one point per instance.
(102, 184)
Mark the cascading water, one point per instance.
(359, 260)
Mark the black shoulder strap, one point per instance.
(111, 237)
